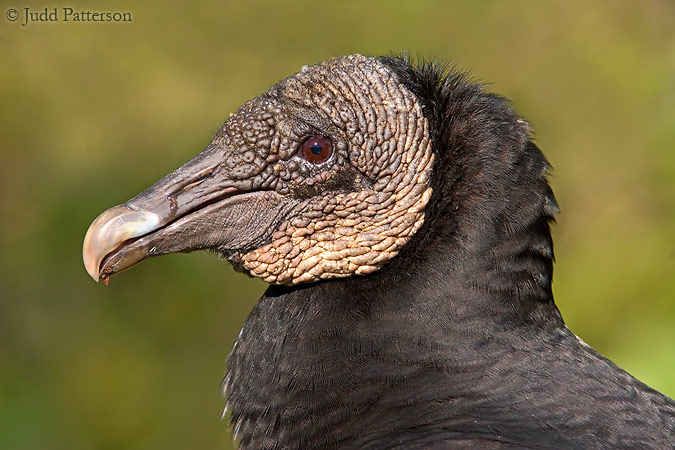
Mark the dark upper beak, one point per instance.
(195, 207)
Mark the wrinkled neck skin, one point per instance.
(459, 334)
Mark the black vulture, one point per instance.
(401, 215)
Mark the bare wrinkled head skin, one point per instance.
(306, 221)
(379, 129)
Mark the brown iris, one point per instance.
(317, 149)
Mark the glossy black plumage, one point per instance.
(456, 342)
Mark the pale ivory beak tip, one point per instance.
(109, 230)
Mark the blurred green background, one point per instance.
(92, 113)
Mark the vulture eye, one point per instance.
(316, 149)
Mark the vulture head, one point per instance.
(326, 175)
(401, 215)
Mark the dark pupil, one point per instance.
(316, 148)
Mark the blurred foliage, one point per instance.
(92, 113)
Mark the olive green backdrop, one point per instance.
(92, 113)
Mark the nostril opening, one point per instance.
(200, 179)
(203, 177)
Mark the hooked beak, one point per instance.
(111, 228)
(196, 207)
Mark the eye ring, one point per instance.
(316, 149)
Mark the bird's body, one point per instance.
(413, 312)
